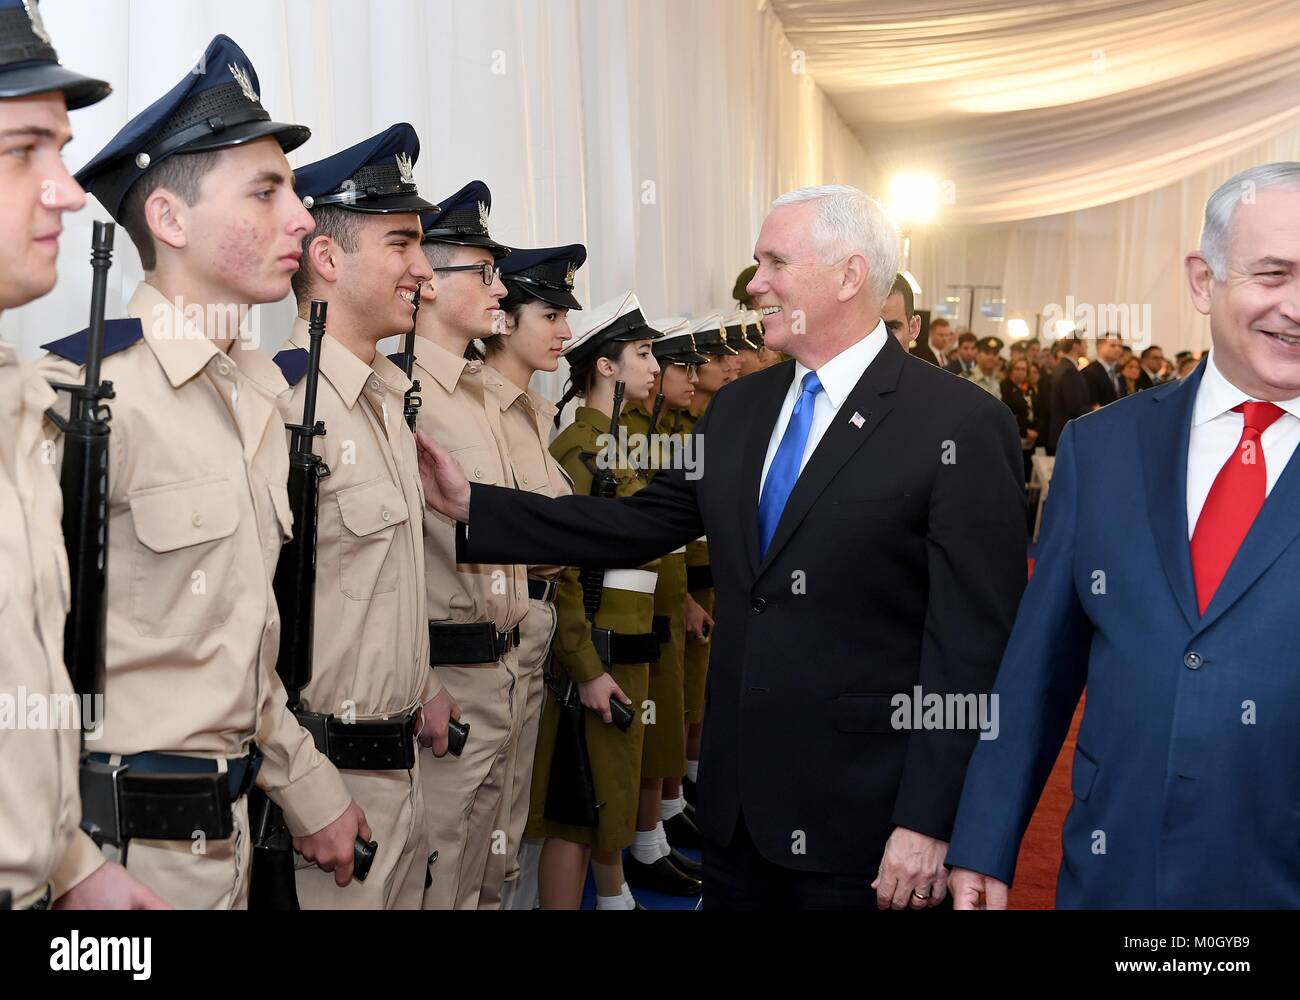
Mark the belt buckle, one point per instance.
(101, 804)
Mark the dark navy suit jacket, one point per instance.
(1186, 778)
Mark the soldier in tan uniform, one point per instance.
(197, 500)
(473, 611)
(44, 856)
(656, 862)
(612, 343)
(532, 336)
(370, 652)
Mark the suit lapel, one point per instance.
(1275, 527)
(771, 392)
(1165, 430)
(869, 398)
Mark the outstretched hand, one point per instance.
(446, 489)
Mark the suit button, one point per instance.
(197, 519)
(759, 605)
(388, 514)
(1193, 661)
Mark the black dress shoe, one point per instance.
(685, 865)
(683, 833)
(688, 791)
(662, 876)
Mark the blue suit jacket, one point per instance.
(1186, 778)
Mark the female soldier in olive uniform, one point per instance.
(534, 331)
(654, 864)
(612, 344)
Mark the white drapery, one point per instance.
(656, 133)
(1039, 108)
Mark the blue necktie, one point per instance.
(784, 472)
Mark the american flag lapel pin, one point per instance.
(857, 420)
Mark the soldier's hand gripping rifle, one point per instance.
(84, 483)
(457, 732)
(571, 792)
(272, 883)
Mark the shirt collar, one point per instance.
(841, 373)
(1216, 396)
(439, 362)
(506, 393)
(344, 370)
(182, 349)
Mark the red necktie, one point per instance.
(1234, 501)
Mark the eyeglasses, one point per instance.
(488, 272)
(691, 369)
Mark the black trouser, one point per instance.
(738, 877)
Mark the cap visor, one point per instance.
(498, 251)
(550, 296)
(389, 205)
(44, 77)
(290, 137)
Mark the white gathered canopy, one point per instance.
(1077, 140)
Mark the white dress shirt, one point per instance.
(1216, 432)
(838, 377)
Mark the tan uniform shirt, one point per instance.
(40, 841)
(371, 648)
(525, 425)
(198, 510)
(453, 413)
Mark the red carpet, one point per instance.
(1040, 851)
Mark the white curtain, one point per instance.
(1124, 259)
(1035, 109)
(655, 132)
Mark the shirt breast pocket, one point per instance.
(478, 463)
(183, 565)
(532, 472)
(368, 518)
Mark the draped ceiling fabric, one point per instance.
(1079, 139)
(655, 132)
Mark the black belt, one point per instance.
(374, 745)
(476, 642)
(663, 628)
(624, 647)
(542, 590)
(699, 577)
(159, 796)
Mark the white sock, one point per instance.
(661, 838)
(645, 848)
(623, 901)
(668, 808)
(693, 770)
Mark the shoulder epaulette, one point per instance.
(292, 363)
(119, 334)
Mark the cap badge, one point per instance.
(404, 168)
(570, 274)
(38, 26)
(245, 82)
(483, 216)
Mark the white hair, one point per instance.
(1216, 235)
(851, 221)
